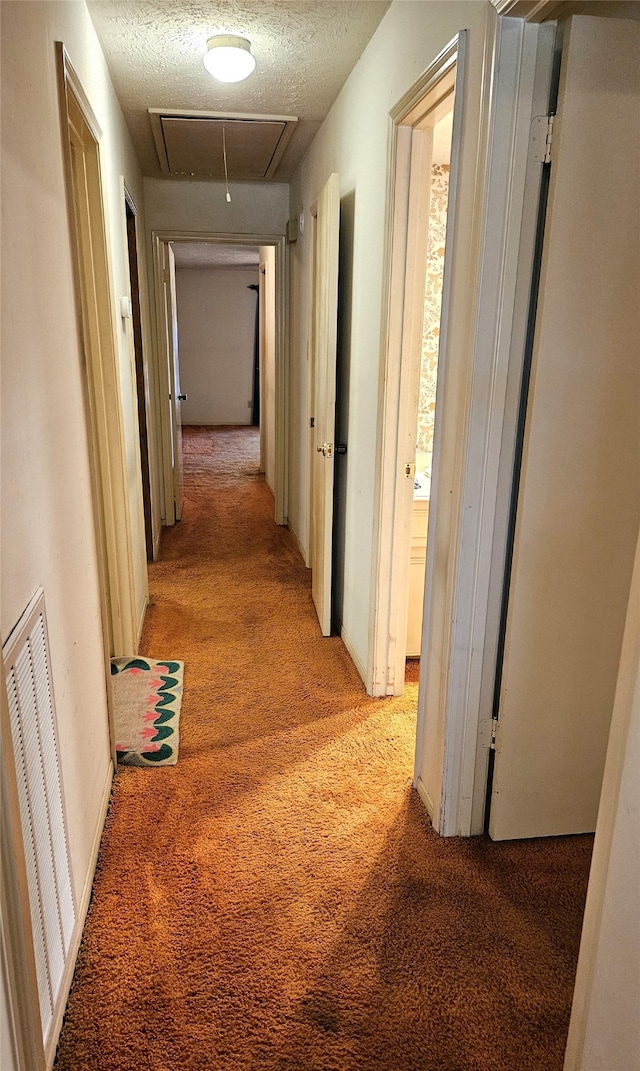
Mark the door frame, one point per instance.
(524, 62)
(267, 377)
(97, 340)
(311, 378)
(168, 381)
(262, 345)
(407, 238)
(475, 427)
(158, 237)
(141, 369)
(323, 308)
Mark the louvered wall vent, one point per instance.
(35, 745)
(191, 143)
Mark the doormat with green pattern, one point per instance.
(146, 697)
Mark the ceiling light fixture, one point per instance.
(228, 58)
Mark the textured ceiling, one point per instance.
(215, 255)
(304, 50)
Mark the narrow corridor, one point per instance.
(278, 899)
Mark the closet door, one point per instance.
(325, 336)
(578, 507)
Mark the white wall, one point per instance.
(216, 329)
(604, 1033)
(47, 524)
(185, 204)
(354, 141)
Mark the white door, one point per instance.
(176, 393)
(173, 473)
(325, 330)
(578, 507)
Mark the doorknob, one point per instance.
(326, 449)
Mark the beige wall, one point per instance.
(47, 526)
(185, 204)
(216, 328)
(354, 141)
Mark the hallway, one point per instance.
(278, 899)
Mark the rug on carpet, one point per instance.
(146, 697)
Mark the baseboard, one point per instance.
(355, 658)
(141, 622)
(83, 907)
(299, 547)
(426, 799)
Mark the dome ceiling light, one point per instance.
(228, 58)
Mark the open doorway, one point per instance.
(434, 279)
(211, 374)
(216, 312)
(427, 134)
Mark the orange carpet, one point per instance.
(278, 901)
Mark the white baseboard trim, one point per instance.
(83, 907)
(426, 798)
(141, 622)
(355, 658)
(299, 547)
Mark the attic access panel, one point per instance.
(191, 143)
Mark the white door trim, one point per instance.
(311, 376)
(522, 80)
(529, 10)
(474, 439)
(97, 338)
(402, 331)
(281, 489)
(162, 378)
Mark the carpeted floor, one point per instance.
(278, 901)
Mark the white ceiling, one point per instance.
(215, 255)
(304, 50)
